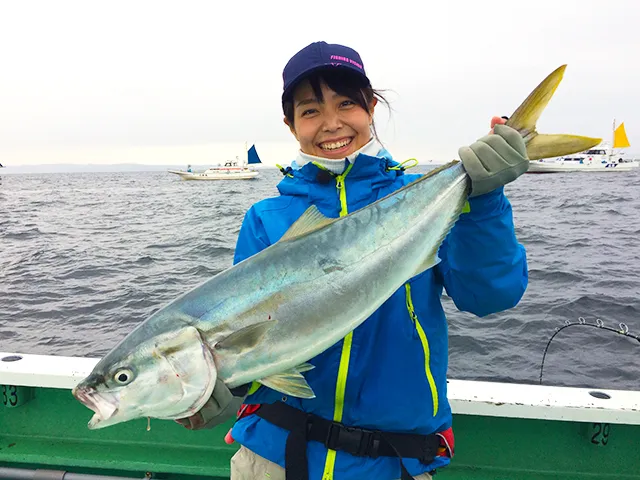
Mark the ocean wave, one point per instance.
(82, 262)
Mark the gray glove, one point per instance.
(494, 160)
(222, 405)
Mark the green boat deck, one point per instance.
(46, 428)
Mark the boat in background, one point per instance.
(602, 158)
(229, 171)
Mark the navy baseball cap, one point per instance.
(320, 55)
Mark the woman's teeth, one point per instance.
(335, 145)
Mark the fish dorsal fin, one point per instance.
(245, 338)
(310, 221)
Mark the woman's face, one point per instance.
(332, 128)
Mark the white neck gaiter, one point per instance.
(337, 166)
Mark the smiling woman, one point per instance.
(331, 112)
(361, 417)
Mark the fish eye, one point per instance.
(123, 376)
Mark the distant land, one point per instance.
(139, 167)
(89, 168)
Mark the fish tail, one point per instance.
(525, 117)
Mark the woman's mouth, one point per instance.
(336, 146)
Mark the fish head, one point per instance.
(169, 376)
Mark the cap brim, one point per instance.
(327, 66)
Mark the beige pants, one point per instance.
(246, 465)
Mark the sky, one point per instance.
(157, 82)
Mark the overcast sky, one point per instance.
(189, 82)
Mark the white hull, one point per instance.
(221, 175)
(565, 166)
(601, 159)
(232, 169)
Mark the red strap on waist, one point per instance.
(447, 443)
(246, 410)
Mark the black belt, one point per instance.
(304, 427)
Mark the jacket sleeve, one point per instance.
(252, 237)
(483, 267)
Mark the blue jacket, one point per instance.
(390, 373)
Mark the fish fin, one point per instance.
(525, 117)
(246, 338)
(310, 221)
(305, 367)
(546, 146)
(291, 382)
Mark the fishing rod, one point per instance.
(623, 330)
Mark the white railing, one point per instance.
(466, 397)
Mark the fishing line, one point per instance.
(623, 330)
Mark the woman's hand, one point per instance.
(495, 159)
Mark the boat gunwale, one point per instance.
(466, 397)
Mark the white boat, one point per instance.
(602, 158)
(229, 171)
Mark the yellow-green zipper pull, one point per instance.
(342, 192)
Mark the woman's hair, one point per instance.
(343, 82)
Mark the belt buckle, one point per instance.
(356, 441)
(333, 435)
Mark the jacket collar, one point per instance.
(368, 173)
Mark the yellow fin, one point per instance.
(310, 221)
(546, 146)
(525, 117)
(291, 382)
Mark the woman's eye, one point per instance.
(310, 111)
(347, 103)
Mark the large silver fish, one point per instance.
(264, 318)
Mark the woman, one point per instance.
(381, 409)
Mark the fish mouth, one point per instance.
(103, 404)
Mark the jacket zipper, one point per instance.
(425, 348)
(345, 355)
